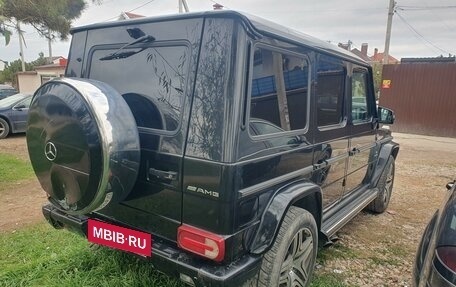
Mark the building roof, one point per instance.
(378, 57)
(129, 15)
(361, 55)
(50, 66)
(429, 60)
(255, 25)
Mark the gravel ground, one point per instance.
(379, 250)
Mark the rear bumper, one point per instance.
(171, 260)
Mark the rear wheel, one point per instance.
(385, 188)
(291, 260)
(4, 128)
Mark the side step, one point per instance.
(348, 208)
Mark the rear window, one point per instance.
(152, 81)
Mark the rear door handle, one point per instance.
(161, 174)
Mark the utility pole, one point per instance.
(392, 4)
(50, 47)
(183, 6)
(21, 47)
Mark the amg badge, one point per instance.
(203, 191)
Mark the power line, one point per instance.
(420, 36)
(417, 8)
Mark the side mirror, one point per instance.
(385, 116)
(450, 185)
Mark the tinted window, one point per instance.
(152, 81)
(279, 90)
(25, 102)
(330, 91)
(359, 96)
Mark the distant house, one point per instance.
(29, 81)
(129, 15)
(378, 58)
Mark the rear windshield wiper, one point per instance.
(121, 55)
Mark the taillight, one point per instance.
(201, 242)
(447, 255)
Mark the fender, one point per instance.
(390, 148)
(276, 209)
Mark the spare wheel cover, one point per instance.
(83, 144)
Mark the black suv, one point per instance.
(225, 145)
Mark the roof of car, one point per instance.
(4, 87)
(253, 23)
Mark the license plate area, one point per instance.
(117, 237)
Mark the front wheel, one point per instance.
(385, 187)
(291, 260)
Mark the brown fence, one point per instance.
(423, 97)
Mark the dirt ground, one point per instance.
(373, 250)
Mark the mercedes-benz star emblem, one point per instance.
(50, 151)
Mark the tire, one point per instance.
(291, 260)
(385, 187)
(83, 144)
(4, 128)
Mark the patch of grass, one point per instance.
(42, 256)
(14, 169)
(384, 260)
(335, 251)
(327, 280)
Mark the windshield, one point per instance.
(6, 102)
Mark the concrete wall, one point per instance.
(28, 83)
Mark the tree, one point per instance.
(45, 16)
(8, 74)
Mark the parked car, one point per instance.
(6, 91)
(13, 114)
(435, 263)
(229, 140)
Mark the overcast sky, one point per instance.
(417, 32)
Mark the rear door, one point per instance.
(331, 136)
(155, 77)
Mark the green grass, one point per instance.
(335, 251)
(14, 169)
(327, 280)
(42, 256)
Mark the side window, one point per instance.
(155, 86)
(330, 91)
(25, 103)
(279, 92)
(359, 110)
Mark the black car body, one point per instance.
(13, 114)
(215, 133)
(435, 263)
